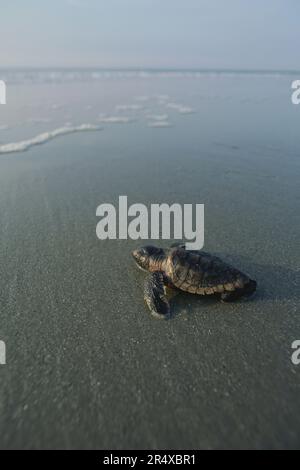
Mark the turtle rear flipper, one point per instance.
(155, 295)
(245, 291)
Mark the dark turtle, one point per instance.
(196, 272)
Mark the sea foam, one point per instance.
(159, 124)
(158, 117)
(114, 119)
(180, 108)
(129, 107)
(24, 145)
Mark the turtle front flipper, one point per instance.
(155, 295)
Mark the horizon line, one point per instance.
(149, 69)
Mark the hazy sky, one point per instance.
(261, 34)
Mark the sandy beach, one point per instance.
(87, 365)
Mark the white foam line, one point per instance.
(162, 97)
(180, 108)
(4, 127)
(142, 98)
(24, 145)
(158, 117)
(129, 107)
(186, 110)
(114, 119)
(159, 124)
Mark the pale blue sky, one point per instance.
(263, 34)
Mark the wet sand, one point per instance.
(87, 366)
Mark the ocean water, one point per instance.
(245, 108)
(87, 365)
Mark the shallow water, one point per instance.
(87, 366)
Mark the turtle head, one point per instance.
(148, 257)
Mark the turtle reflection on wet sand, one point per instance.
(196, 272)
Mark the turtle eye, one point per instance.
(149, 250)
(145, 251)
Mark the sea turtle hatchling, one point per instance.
(196, 272)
